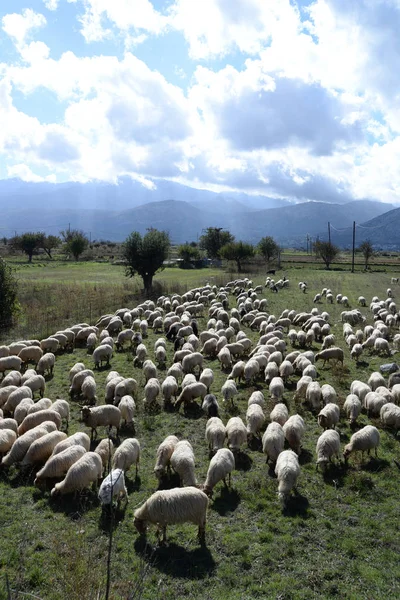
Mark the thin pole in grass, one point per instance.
(110, 538)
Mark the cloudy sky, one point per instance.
(292, 99)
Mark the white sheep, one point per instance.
(42, 404)
(276, 389)
(329, 416)
(301, 387)
(78, 379)
(152, 390)
(229, 391)
(15, 397)
(40, 450)
(363, 440)
(279, 414)
(333, 353)
(273, 441)
(255, 419)
(36, 383)
(236, 433)
(191, 392)
(88, 391)
(78, 439)
(191, 361)
(207, 377)
(352, 408)
(237, 372)
(58, 464)
(287, 470)
(149, 370)
(224, 357)
(105, 449)
(127, 407)
(31, 354)
(164, 453)
(381, 346)
(178, 505)
(106, 415)
(86, 470)
(75, 369)
(294, 429)
(21, 410)
(328, 394)
(36, 418)
(113, 486)
(46, 363)
(257, 397)
(183, 463)
(360, 389)
(22, 443)
(126, 455)
(14, 378)
(328, 445)
(102, 354)
(221, 466)
(7, 438)
(390, 416)
(373, 403)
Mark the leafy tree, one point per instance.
(29, 243)
(75, 242)
(268, 248)
(367, 250)
(9, 305)
(326, 251)
(213, 240)
(49, 242)
(145, 255)
(188, 254)
(238, 252)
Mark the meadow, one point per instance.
(338, 537)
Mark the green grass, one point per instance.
(337, 539)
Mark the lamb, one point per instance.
(126, 455)
(86, 470)
(46, 363)
(352, 408)
(329, 416)
(102, 354)
(105, 450)
(287, 470)
(10, 363)
(364, 439)
(22, 444)
(333, 353)
(127, 407)
(40, 450)
(36, 383)
(78, 439)
(183, 463)
(273, 441)
(106, 415)
(328, 445)
(88, 390)
(191, 392)
(390, 416)
(255, 419)
(164, 453)
(236, 433)
(7, 438)
(178, 505)
(279, 414)
(210, 405)
(229, 391)
(113, 485)
(221, 465)
(293, 430)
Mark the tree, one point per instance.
(367, 250)
(49, 242)
(188, 254)
(238, 252)
(213, 240)
(8, 295)
(145, 255)
(27, 242)
(268, 248)
(326, 251)
(75, 242)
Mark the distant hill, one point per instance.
(383, 232)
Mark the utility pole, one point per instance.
(329, 232)
(307, 243)
(69, 227)
(354, 246)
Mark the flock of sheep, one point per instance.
(31, 429)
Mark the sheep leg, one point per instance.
(229, 479)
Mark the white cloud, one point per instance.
(24, 172)
(51, 4)
(19, 26)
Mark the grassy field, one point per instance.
(338, 538)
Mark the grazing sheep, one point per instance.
(36, 383)
(224, 357)
(352, 408)
(167, 507)
(257, 397)
(207, 377)
(10, 363)
(273, 441)
(106, 415)
(152, 389)
(77, 380)
(328, 445)
(7, 438)
(113, 486)
(191, 392)
(14, 378)
(34, 419)
(356, 351)
(360, 389)
(287, 470)
(102, 354)
(21, 445)
(78, 439)
(236, 433)
(363, 440)
(333, 353)
(381, 346)
(293, 430)
(183, 463)
(237, 372)
(279, 414)
(229, 391)
(375, 380)
(86, 470)
(88, 391)
(215, 434)
(126, 455)
(42, 404)
(328, 394)
(127, 407)
(329, 416)
(46, 363)
(276, 389)
(75, 369)
(191, 361)
(210, 405)
(302, 386)
(9, 424)
(149, 370)
(164, 453)
(31, 354)
(22, 409)
(390, 416)
(140, 354)
(255, 419)
(373, 403)
(221, 465)
(40, 450)
(105, 449)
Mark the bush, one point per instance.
(9, 306)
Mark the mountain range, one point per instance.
(111, 212)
